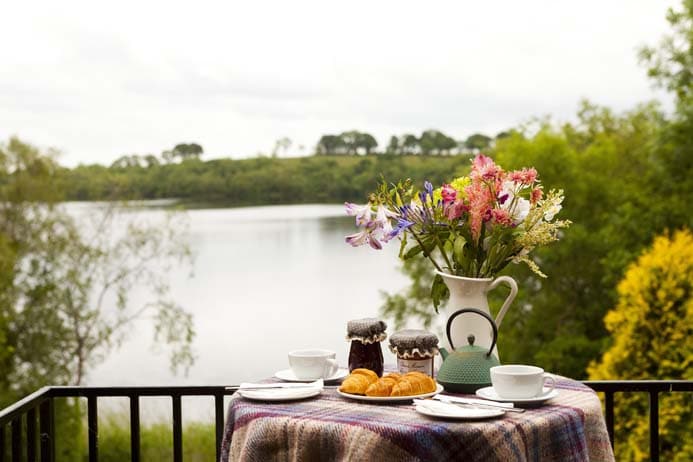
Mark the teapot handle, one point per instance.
(479, 312)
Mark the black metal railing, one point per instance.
(653, 388)
(23, 417)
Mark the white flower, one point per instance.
(521, 206)
(552, 211)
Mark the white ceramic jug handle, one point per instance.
(509, 299)
(331, 367)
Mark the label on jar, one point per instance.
(418, 365)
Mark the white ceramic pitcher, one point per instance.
(471, 293)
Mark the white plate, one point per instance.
(280, 394)
(490, 393)
(289, 376)
(390, 399)
(451, 411)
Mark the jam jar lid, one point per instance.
(366, 330)
(414, 342)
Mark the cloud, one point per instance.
(99, 81)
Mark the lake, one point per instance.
(267, 280)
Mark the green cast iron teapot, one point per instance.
(466, 369)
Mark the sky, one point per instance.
(97, 81)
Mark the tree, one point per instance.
(329, 145)
(410, 144)
(477, 142)
(65, 282)
(367, 142)
(616, 196)
(127, 161)
(436, 142)
(652, 336)
(187, 151)
(671, 65)
(393, 146)
(151, 161)
(282, 144)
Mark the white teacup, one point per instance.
(515, 381)
(313, 364)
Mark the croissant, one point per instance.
(413, 383)
(358, 381)
(383, 387)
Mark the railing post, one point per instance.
(47, 430)
(218, 422)
(177, 429)
(93, 428)
(31, 435)
(654, 425)
(2, 444)
(17, 439)
(609, 414)
(134, 428)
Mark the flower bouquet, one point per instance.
(472, 227)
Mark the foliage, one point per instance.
(652, 336)
(627, 177)
(156, 441)
(347, 143)
(671, 65)
(616, 171)
(477, 142)
(316, 179)
(66, 281)
(478, 223)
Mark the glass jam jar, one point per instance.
(415, 350)
(365, 351)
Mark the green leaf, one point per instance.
(412, 252)
(458, 249)
(402, 245)
(438, 291)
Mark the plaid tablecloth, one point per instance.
(569, 427)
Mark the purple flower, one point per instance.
(401, 226)
(429, 188)
(365, 236)
(361, 212)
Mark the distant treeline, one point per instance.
(431, 142)
(342, 168)
(262, 180)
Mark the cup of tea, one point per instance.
(515, 381)
(313, 364)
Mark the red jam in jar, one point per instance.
(365, 336)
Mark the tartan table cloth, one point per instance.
(569, 427)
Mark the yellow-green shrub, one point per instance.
(652, 334)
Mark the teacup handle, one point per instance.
(549, 378)
(508, 300)
(331, 367)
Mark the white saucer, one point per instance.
(280, 394)
(450, 411)
(490, 393)
(289, 376)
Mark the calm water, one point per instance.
(266, 280)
